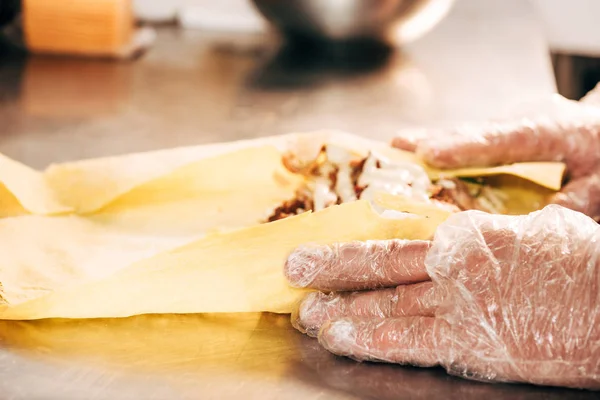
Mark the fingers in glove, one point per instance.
(581, 195)
(496, 143)
(409, 139)
(386, 382)
(408, 300)
(358, 265)
(406, 340)
(405, 143)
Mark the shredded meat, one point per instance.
(333, 177)
(357, 169)
(303, 202)
(453, 191)
(456, 192)
(291, 207)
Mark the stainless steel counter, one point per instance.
(194, 87)
(247, 356)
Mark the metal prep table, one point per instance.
(195, 87)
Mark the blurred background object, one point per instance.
(393, 21)
(573, 34)
(156, 11)
(9, 9)
(110, 28)
(97, 28)
(396, 21)
(221, 16)
(10, 30)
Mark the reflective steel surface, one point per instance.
(195, 87)
(207, 356)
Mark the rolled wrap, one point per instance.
(180, 230)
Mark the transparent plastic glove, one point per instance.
(512, 298)
(559, 130)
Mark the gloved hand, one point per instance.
(562, 130)
(511, 298)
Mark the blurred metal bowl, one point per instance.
(399, 21)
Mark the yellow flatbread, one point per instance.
(24, 190)
(180, 230)
(545, 174)
(89, 186)
(75, 269)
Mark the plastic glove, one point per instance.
(512, 298)
(562, 130)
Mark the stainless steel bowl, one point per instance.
(399, 21)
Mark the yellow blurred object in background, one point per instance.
(84, 27)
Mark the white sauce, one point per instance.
(393, 177)
(343, 185)
(322, 195)
(399, 178)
